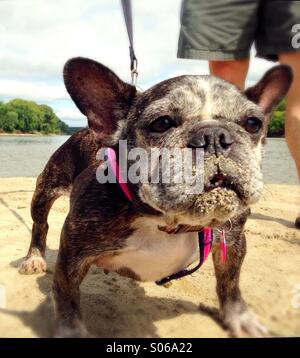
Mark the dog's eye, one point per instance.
(253, 125)
(162, 124)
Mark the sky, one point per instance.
(38, 36)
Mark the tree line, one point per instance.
(276, 126)
(22, 116)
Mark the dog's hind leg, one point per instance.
(69, 273)
(44, 196)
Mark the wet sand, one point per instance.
(113, 306)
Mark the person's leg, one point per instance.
(292, 114)
(234, 71)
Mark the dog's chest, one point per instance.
(150, 254)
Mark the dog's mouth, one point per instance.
(218, 181)
(222, 181)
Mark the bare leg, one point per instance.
(233, 309)
(234, 71)
(292, 114)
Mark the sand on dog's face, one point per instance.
(114, 306)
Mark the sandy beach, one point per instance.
(114, 306)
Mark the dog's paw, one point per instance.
(244, 324)
(33, 264)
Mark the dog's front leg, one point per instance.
(69, 272)
(233, 309)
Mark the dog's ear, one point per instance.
(98, 93)
(271, 89)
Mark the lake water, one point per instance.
(25, 156)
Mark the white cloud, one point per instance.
(69, 113)
(72, 116)
(38, 91)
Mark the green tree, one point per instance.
(9, 121)
(28, 116)
(45, 128)
(49, 117)
(276, 125)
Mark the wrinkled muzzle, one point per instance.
(215, 189)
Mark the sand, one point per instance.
(114, 306)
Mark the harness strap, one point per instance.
(205, 239)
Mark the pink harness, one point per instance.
(205, 236)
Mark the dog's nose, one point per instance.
(213, 140)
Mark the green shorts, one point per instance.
(226, 29)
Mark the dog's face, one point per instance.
(196, 112)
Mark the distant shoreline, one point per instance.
(57, 135)
(31, 135)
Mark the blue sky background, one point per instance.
(38, 36)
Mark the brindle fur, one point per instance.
(101, 218)
(76, 154)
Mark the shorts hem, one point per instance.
(272, 52)
(212, 55)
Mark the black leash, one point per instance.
(126, 5)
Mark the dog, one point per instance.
(138, 238)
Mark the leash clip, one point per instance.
(134, 72)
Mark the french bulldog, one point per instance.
(106, 229)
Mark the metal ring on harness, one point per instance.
(230, 222)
